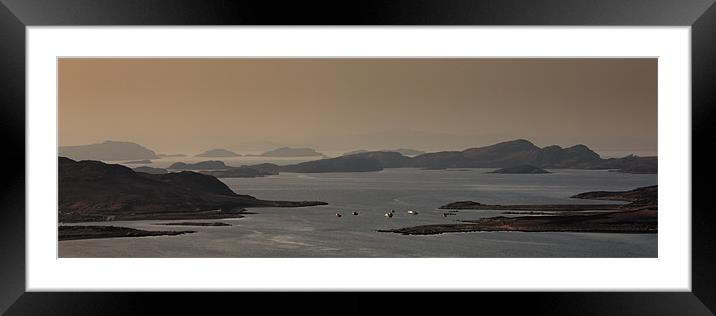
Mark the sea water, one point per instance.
(318, 232)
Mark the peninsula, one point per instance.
(639, 215)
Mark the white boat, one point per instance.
(355, 213)
(388, 215)
(413, 212)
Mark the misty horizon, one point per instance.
(187, 106)
(260, 147)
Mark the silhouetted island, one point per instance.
(522, 152)
(107, 151)
(513, 153)
(291, 152)
(96, 191)
(402, 151)
(641, 196)
(240, 172)
(407, 151)
(202, 165)
(522, 169)
(632, 164)
(219, 169)
(514, 157)
(387, 159)
(218, 153)
(639, 215)
(338, 164)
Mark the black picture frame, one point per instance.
(16, 15)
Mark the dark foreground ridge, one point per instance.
(637, 216)
(92, 232)
(95, 191)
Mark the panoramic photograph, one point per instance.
(357, 158)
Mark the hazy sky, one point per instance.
(247, 105)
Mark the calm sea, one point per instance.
(317, 232)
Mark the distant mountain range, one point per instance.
(502, 155)
(402, 151)
(108, 151)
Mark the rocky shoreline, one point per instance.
(637, 216)
(470, 205)
(93, 232)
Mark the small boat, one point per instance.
(392, 211)
(388, 215)
(413, 212)
(338, 215)
(355, 213)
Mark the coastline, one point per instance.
(69, 217)
(639, 215)
(93, 232)
(632, 222)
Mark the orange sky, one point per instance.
(247, 105)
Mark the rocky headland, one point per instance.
(96, 191)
